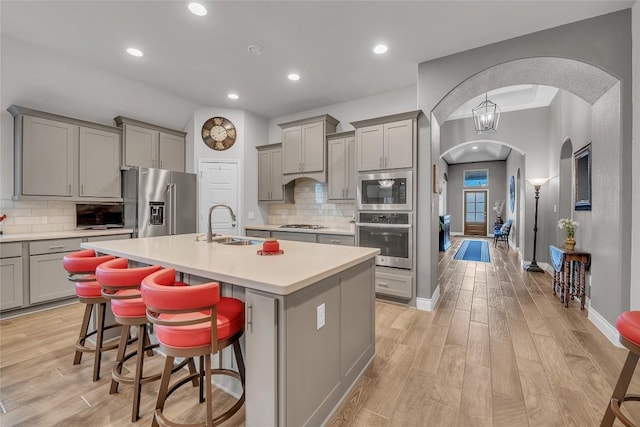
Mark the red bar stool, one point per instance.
(628, 325)
(184, 317)
(121, 285)
(81, 269)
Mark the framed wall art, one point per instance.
(582, 178)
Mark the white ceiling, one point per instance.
(327, 42)
(508, 98)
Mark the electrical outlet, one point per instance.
(320, 319)
(555, 208)
(250, 215)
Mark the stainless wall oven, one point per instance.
(385, 191)
(391, 233)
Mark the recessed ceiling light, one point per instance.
(134, 52)
(255, 49)
(197, 9)
(475, 147)
(294, 77)
(233, 96)
(380, 49)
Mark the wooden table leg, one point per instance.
(566, 284)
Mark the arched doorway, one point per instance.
(602, 91)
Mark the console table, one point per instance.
(569, 275)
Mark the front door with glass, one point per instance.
(475, 213)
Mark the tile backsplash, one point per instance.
(311, 207)
(37, 216)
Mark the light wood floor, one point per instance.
(499, 350)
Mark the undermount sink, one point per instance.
(236, 242)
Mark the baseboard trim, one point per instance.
(605, 327)
(426, 304)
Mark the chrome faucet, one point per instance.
(210, 233)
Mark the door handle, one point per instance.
(250, 317)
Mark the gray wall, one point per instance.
(496, 190)
(603, 42)
(635, 231)
(515, 168)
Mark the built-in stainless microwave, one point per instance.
(385, 191)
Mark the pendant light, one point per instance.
(486, 116)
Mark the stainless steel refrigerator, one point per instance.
(159, 202)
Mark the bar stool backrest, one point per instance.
(81, 265)
(162, 297)
(115, 275)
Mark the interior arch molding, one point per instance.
(583, 80)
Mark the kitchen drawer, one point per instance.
(10, 250)
(336, 239)
(394, 285)
(263, 234)
(292, 235)
(108, 237)
(42, 247)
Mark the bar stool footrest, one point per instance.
(164, 422)
(80, 346)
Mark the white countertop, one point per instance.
(269, 227)
(24, 237)
(302, 264)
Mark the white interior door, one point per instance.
(219, 184)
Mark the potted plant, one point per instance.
(569, 226)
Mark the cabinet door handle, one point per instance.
(161, 163)
(69, 191)
(335, 241)
(82, 189)
(382, 284)
(385, 161)
(250, 317)
(56, 247)
(381, 162)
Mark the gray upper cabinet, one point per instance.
(270, 173)
(61, 158)
(171, 152)
(386, 142)
(141, 147)
(342, 166)
(99, 163)
(303, 147)
(150, 146)
(48, 157)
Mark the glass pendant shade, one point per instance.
(486, 116)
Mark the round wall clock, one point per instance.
(218, 133)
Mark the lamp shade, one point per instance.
(537, 182)
(486, 116)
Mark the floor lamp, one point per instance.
(537, 183)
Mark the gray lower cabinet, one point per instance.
(10, 275)
(261, 349)
(47, 277)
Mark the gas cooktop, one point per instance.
(307, 226)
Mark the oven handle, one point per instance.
(366, 224)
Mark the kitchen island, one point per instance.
(310, 317)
